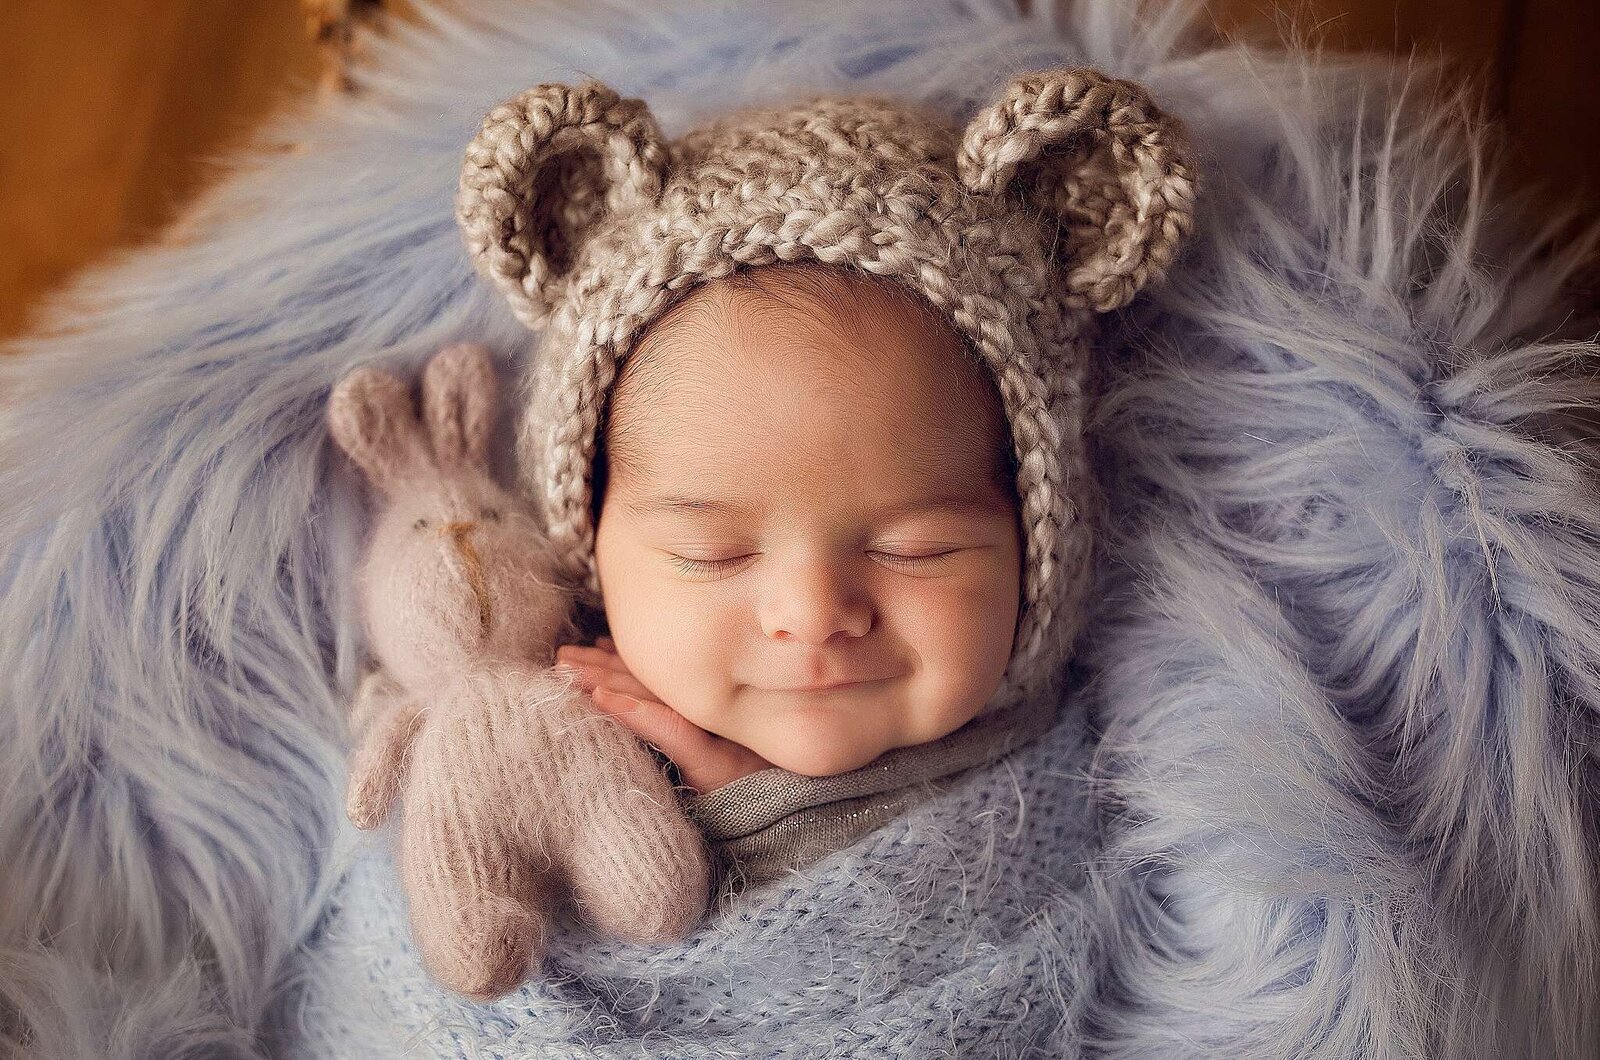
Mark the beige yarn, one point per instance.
(1058, 201)
(518, 797)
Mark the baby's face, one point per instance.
(802, 495)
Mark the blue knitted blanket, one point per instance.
(959, 929)
(1325, 779)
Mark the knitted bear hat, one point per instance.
(1055, 203)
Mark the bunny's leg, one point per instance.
(638, 866)
(384, 721)
(479, 906)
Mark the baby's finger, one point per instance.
(679, 739)
(624, 682)
(587, 656)
(588, 651)
(589, 678)
(605, 642)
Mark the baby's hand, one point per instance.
(705, 760)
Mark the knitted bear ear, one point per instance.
(1096, 156)
(545, 167)
(458, 405)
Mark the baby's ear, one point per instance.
(458, 405)
(545, 167)
(372, 418)
(1098, 157)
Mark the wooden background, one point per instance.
(110, 110)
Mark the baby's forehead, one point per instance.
(833, 308)
(812, 355)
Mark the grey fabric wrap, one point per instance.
(773, 821)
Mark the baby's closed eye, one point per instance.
(909, 560)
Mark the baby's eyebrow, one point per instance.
(954, 504)
(674, 505)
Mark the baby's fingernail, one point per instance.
(577, 673)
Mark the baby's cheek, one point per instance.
(962, 634)
(688, 677)
(699, 702)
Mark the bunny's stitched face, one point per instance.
(456, 570)
(806, 491)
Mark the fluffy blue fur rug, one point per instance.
(1345, 662)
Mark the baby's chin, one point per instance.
(817, 736)
(819, 758)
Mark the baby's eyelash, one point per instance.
(702, 566)
(715, 566)
(916, 561)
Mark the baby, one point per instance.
(815, 566)
(805, 423)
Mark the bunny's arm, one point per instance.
(384, 720)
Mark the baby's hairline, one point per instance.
(805, 287)
(796, 287)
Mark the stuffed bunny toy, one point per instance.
(518, 793)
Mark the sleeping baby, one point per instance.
(855, 586)
(808, 545)
(803, 440)
(806, 421)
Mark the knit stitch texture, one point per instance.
(956, 929)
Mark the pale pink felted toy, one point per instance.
(518, 795)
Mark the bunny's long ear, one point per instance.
(458, 405)
(545, 166)
(372, 418)
(1097, 156)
